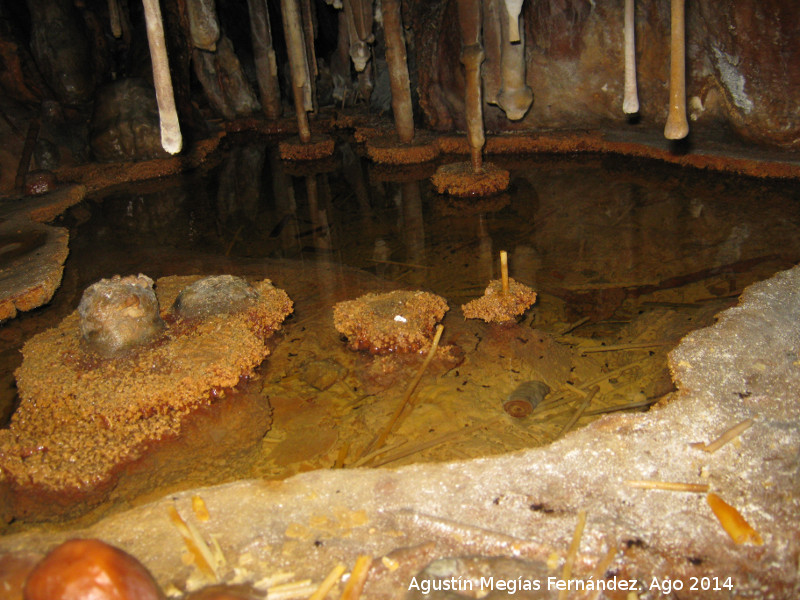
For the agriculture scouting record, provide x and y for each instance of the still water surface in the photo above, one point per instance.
(627, 256)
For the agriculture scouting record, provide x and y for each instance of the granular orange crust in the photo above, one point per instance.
(80, 416)
(320, 146)
(399, 321)
(496, 307)
(458, 179)
(388, 149)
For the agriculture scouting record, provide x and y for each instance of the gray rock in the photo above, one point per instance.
(118, 314)
(218, 294)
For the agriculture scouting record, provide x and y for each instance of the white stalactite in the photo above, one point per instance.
(677, 126)
(513, 7)
(630, 101)
(171, 139)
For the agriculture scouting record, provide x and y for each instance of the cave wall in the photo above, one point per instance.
(743, 66)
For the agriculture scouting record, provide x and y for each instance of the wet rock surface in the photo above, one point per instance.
(32, 254)
(61, 50)
(90, 569)
(224, 81)
(83, 417)
(118, 314)
(218, 294)
(574, 53)
(125, 124)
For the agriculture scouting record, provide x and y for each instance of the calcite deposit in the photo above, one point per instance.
(399, 321)
(498, 307)
(81, 415)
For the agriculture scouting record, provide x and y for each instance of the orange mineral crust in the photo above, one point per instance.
(81, 416)
(399, 321)
(319, 146)
(388, 149)
(460, 179)
(498, 307)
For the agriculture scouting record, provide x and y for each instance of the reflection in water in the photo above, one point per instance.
(621, 252)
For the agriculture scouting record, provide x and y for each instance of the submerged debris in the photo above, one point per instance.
(525, 398)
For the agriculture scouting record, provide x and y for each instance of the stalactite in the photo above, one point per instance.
(469, 18)
(630, 101)
(203, 24)
(515, 96)
(513, 7)
(494, 12)
(114, 18)
(264, 58)
(677, 126)
(171, 139)
(340, 63)
(398, 70)
(293, 30)
(309, 30)
(359, 25)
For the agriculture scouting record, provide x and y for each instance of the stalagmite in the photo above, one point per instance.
(398, 70)
(264, 58)
(295, 44)
(630, 101)
(513, 7)
(473, 178)
(677, 126)
(171, 139)
(203, 24)
(469, 18)
(515, 96)
(407, 147)
(303, 148)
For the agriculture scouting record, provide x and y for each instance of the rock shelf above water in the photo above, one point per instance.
(81, 415)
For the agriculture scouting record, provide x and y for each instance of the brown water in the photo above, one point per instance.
(627, 256)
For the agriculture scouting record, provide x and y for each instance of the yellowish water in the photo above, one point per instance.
(627, 256)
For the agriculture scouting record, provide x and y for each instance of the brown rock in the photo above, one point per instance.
(82, 569)
(32, 259)
(61, 50)
(125, 125)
